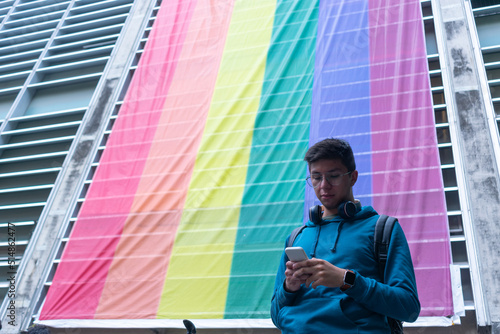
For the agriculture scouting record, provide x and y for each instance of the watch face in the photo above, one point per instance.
(350, 277)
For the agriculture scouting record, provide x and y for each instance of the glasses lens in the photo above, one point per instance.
(315, 180)
(332, 179)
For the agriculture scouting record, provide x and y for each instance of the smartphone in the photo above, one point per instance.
(296, 254)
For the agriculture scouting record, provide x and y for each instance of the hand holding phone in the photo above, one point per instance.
(296, 254)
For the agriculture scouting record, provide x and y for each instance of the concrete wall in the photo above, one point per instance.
(475, 143)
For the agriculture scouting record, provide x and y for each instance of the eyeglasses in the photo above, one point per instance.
(333, 179)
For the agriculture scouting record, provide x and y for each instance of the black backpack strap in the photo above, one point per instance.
(294, 235)
(382, 238)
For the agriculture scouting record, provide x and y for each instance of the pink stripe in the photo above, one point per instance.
(80, 277)
(407, 181)
(403, 132)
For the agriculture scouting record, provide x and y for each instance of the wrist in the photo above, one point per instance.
(287, 289)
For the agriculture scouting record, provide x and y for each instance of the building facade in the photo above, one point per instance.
(65, 67)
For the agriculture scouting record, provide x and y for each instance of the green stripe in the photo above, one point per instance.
(273, 199)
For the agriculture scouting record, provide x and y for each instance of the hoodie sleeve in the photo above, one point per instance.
(397, 297)
(281, 297)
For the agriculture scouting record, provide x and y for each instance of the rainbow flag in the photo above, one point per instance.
(203, 176)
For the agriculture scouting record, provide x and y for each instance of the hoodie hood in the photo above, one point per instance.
(365, 212)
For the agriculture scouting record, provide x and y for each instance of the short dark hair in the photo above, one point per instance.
(331, 149)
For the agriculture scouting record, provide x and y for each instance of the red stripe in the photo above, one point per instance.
(81, 275)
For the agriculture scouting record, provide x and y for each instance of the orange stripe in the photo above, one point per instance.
(142, 256)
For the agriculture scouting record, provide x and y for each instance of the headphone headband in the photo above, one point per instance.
(347, 210)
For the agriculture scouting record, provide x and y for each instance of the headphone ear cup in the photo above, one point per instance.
(315, 214)
(347, 210)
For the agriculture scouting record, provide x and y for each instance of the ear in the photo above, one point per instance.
(354, 177)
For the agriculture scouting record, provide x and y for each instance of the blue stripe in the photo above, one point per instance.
(341, 89)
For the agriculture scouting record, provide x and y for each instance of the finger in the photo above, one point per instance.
(295, 265)
(304, 277)
(310, 281)
(302, 264)
(304, 271)
(289, 273)
(315, 262)
(292, 273)
(315, 283)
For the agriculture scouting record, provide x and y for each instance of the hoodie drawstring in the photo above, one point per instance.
(313, 254)
(338, 235)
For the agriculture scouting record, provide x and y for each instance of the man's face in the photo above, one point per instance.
(332, 195)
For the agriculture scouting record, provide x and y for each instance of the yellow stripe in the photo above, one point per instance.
(198, 275)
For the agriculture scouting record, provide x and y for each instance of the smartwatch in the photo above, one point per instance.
(349, 279)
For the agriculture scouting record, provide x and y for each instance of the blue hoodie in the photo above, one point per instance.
(363, 308)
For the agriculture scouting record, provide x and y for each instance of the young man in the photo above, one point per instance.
(339, 289)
